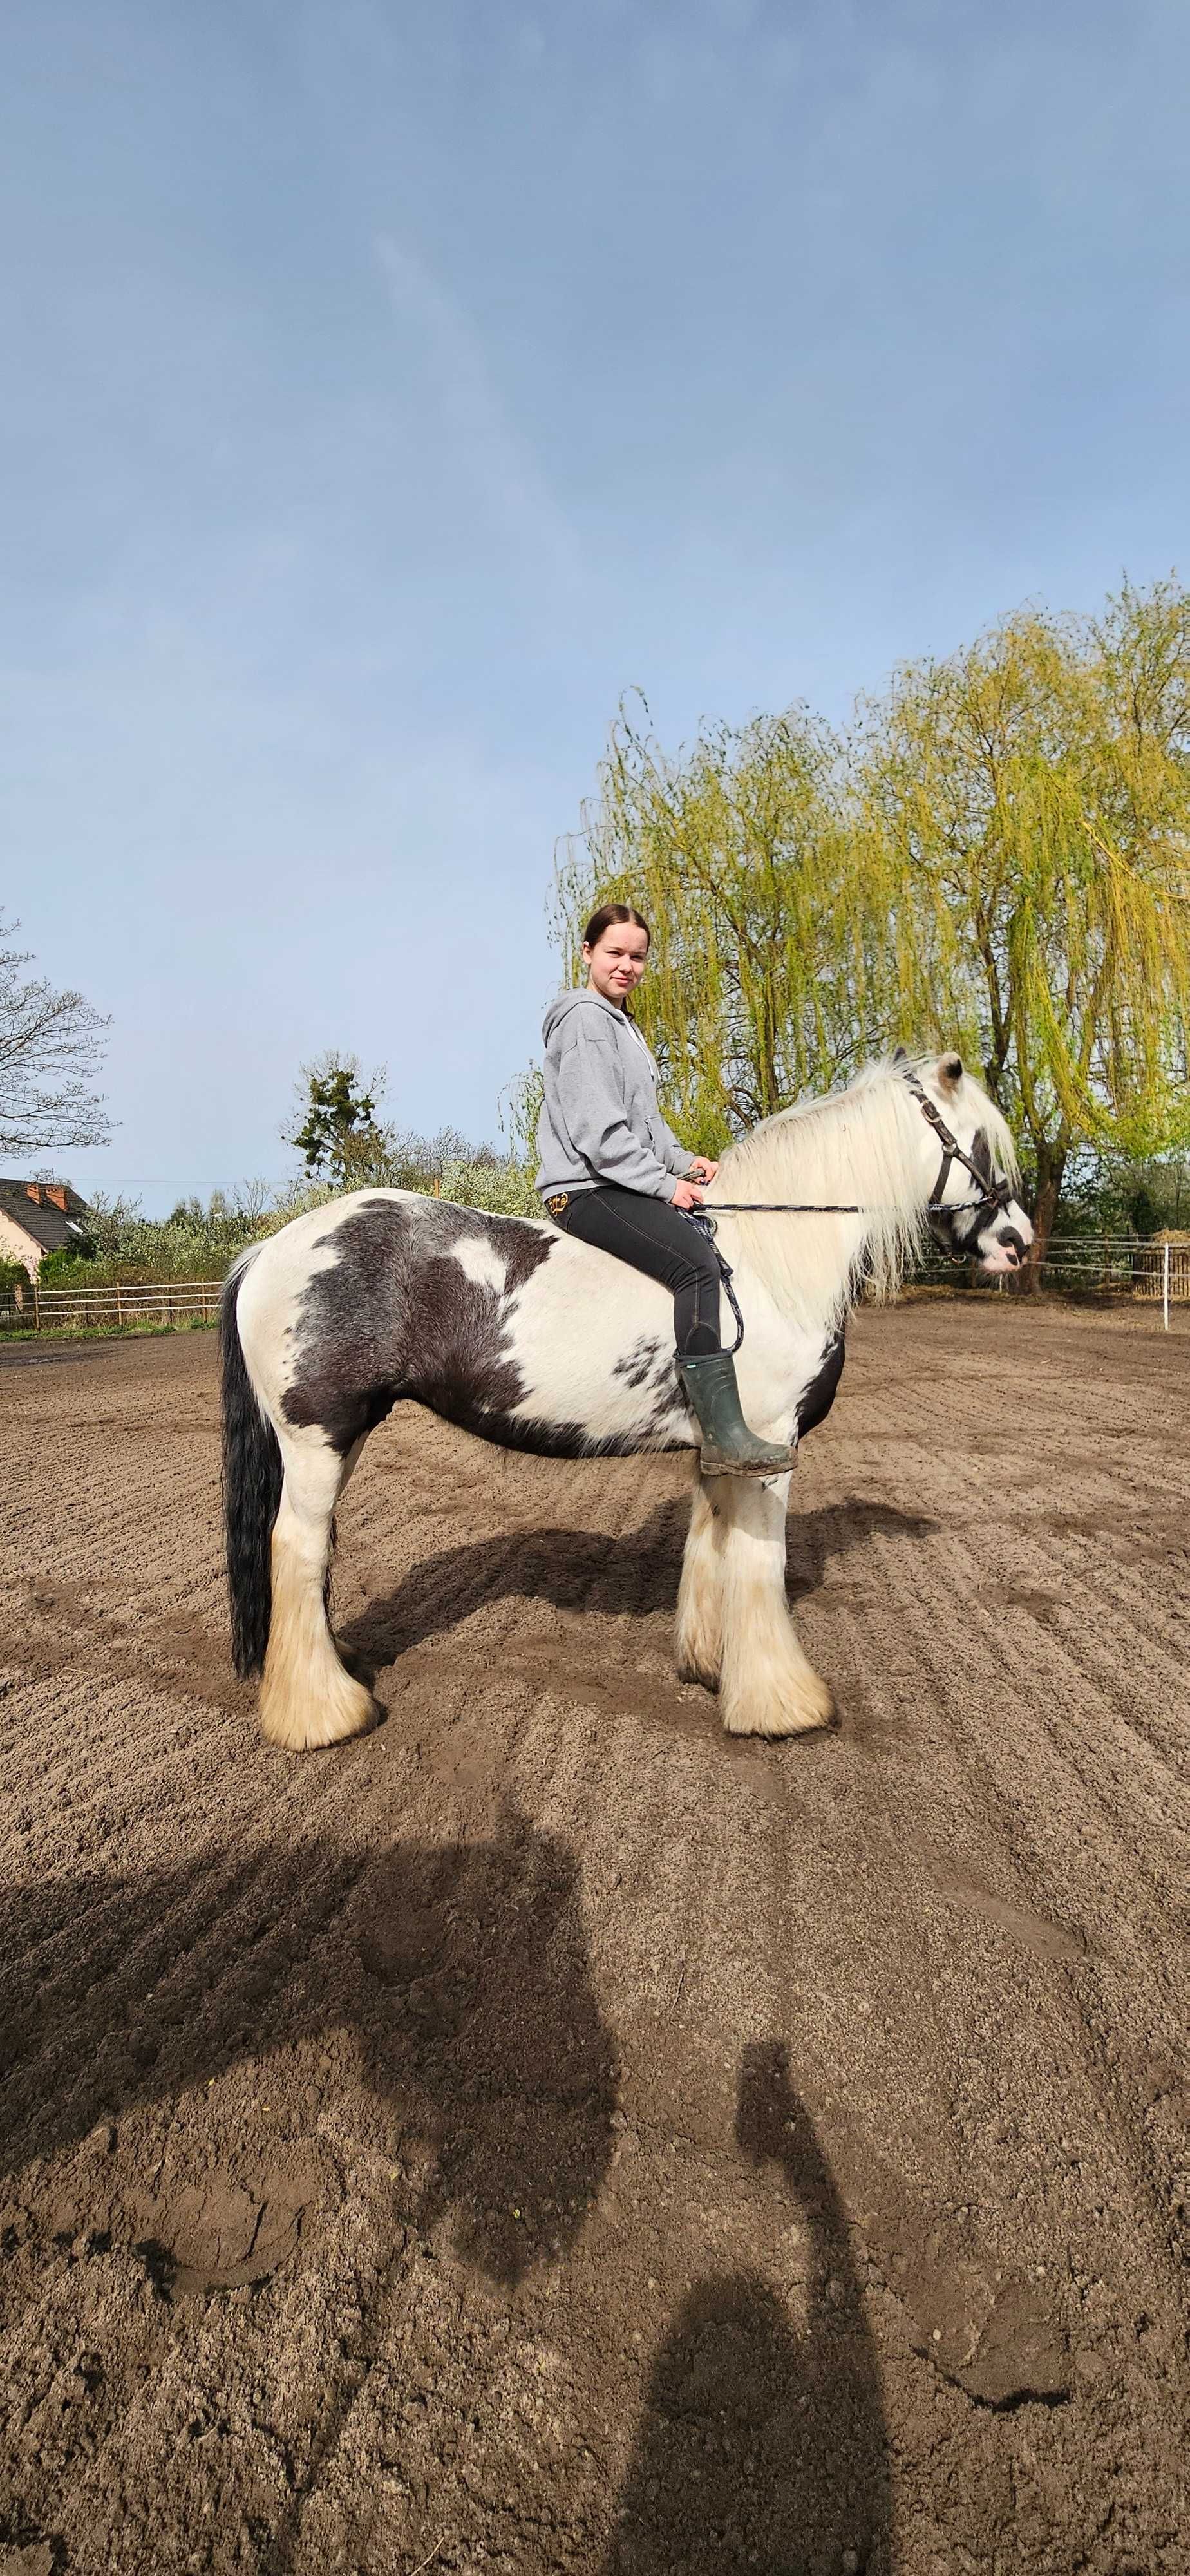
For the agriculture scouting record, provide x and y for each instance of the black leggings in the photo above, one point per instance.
(656, 1238)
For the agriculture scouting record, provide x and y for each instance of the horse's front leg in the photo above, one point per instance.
(700, 1594)
(766, 1684)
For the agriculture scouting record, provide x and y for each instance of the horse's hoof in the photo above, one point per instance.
(348, 1711)
(808, 1710)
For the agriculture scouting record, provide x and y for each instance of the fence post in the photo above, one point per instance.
(119, 1309)
(36, 1307)
(1165, 1287)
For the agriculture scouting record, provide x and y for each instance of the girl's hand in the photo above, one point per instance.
(702, 1169)
(686, 1196)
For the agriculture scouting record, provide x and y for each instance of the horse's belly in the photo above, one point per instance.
(594, 1350)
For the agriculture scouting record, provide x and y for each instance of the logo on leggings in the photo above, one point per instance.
(559, 1203)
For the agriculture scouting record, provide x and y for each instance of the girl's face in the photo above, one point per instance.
(617, 961)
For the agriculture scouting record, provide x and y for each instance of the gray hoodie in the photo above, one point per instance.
(599, 1118)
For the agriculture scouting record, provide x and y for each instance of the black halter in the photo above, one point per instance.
(993, 1194)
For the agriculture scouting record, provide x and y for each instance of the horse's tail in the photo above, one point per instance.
(252, 1478)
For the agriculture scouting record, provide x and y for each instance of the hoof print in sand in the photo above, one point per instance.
(1020, 2355)
(217, 2238)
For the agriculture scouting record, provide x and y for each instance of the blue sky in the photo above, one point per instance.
(389, 387)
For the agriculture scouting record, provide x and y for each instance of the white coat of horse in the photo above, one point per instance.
(506, 1326)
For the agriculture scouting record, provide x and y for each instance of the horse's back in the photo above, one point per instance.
(499, 1323)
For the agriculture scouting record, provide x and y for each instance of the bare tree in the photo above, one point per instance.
(51, 1050)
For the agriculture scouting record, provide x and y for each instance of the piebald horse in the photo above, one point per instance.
(507, 1327)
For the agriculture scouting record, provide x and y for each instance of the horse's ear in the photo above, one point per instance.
(950, 1071)
(900, 1055)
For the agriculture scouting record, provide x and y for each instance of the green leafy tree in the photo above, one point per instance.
(520, 1109)
(1022, 813)
(1106, 1194)
(193, 1242)
(738, 855)
(998, 855)
(334, 1126)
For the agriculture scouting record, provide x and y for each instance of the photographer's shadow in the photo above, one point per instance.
(764, 2446)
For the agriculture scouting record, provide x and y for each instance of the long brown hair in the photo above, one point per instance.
(614, 915)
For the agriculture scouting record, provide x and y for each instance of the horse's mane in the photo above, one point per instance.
(859, 1147)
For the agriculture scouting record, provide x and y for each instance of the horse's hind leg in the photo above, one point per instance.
(307, 1697)
(766, 1686)
(700, 1594)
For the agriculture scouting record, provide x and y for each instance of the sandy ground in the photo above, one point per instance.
(544, 2136)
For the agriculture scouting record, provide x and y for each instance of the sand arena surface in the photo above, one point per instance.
(544, 2135)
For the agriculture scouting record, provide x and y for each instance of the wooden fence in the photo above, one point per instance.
(1121, 1264)
(1103, 1265)
(1090, 1265)
(136, 1308)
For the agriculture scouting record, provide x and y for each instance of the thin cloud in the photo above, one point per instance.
(495, 458)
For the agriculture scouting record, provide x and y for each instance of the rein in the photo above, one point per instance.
(992, 1194)
(814, 1207)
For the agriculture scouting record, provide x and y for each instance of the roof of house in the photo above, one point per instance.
(43, 1219)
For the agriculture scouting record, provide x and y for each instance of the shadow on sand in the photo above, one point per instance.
(763, 2445)
(449, 1987)
(583, 1570)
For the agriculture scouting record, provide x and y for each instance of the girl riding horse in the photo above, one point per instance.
(517, 1329)
(614, 1175)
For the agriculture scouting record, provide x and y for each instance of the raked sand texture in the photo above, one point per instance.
(545, 2135)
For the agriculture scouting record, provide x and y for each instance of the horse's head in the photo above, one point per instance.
(974, 1212)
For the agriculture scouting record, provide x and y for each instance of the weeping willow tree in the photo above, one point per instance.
(738, 854)
(999, 856)
(1023, 816)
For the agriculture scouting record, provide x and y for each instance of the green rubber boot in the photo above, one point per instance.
(729, 1448)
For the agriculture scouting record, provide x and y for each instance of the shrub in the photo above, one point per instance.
(60, 1269)
(200, 1242)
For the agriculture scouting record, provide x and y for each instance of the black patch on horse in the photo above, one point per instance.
(638, 1365)
(966, 1224)
(814, 1405)
(352, 1326)
(397, 1318)
(670, 1410)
